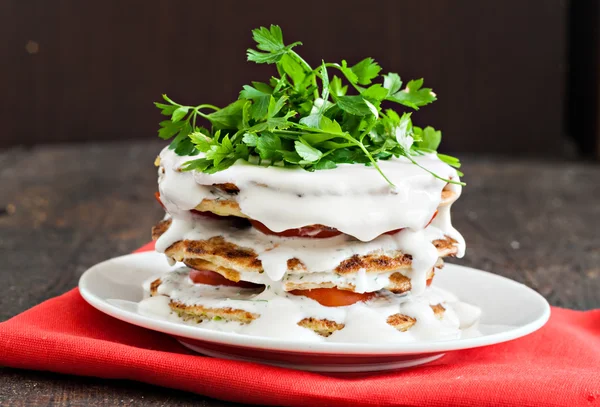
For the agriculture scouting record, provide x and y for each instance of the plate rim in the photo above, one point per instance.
(293, 346)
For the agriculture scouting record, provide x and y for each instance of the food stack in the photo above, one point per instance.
(306, 212)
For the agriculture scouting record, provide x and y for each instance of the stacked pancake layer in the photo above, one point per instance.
(330, 255)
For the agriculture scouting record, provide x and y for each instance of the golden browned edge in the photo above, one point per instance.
(323, 327)
(228, 259)
(221, 207)
(230, 256)
(227, 207)
(200, 313)
(398, 282)
(403, 322)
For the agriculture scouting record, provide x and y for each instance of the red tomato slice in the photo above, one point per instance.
(314, 231)
(332, 297)
(392, 232)
(212, 278)
(157, 196)
(432, 218)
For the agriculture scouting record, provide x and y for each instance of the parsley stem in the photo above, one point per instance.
(300, 133)
(308, 68)
(301, 60)
(432, 173)
(207, 106)
(201, 114)
(352, 141)
(364, 149)
(339, 68)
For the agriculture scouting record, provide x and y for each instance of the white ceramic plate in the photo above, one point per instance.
(510, 310)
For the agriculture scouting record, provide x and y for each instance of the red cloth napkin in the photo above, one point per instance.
(557, 366)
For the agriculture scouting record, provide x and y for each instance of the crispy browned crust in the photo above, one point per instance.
(229, 207)
(438, 310)
(160, 228)
(228, 259)
(403, 322)
(399, 283)
(374, 261)
(225, 254)
(154, 286)
(448, 197)
(323, 327)
(229, 188)
(200, 313)
(446, 247)
(217, 251)
(222, 207)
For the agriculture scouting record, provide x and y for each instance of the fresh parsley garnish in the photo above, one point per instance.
(303, 117)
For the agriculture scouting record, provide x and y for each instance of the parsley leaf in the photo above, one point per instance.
(366, 70)
(270, 40)
(392, 83)
(354, 105)
(413, 96)
(430, 138)
(229, 117)
(294, 70)
(348, 73)
(304, 117)
(307, 152)
(260, 100)
(337, 88)
(269, 146)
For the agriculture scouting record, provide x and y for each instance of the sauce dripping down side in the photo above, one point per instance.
(352, 198)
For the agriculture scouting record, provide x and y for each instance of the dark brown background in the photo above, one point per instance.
(76, 70)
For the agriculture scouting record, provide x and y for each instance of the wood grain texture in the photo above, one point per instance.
(25, 389)
(65, 208)
(499, 67)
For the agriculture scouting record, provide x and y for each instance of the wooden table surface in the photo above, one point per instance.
(65, 208)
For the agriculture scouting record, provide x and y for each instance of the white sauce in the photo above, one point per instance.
(352, 198)
(280, 312)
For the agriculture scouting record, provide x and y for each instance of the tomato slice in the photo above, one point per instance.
(157, 196)
(432, 218)
(333, 297)
(314, 231)
(392, 232)
(212, 278)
